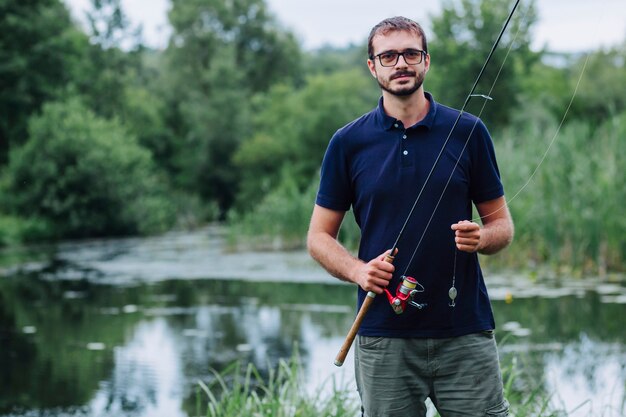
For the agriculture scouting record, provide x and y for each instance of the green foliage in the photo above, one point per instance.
(282, 394)
(110, 27)
(236, 117)
(263, 51)
(280, 220)
(292, 128)
(113, 61)
(39, 52)
(566, 211)
(15, 230)
(526, 400)
(593, 75)
(547, 92)
(603, 72)
(220, 54)
(329, 59)
(234, 393)
(85, 176)
(142, 115)
(217, 124)
(464, 34)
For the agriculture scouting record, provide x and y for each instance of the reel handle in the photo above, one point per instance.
(354, 329)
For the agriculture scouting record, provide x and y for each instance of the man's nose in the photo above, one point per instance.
(402, 61)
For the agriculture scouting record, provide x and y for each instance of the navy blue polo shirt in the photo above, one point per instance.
(377, 166)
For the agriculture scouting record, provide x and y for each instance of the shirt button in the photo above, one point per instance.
(406, 152)
(395, 125)
(403, 136)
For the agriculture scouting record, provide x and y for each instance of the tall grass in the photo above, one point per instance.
(568, 205)
(526, 400)
(282, 218)
(281, 394)
(234, 393)
(280, 221)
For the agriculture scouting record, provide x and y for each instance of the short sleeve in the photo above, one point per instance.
(335, 191)
(485, 181)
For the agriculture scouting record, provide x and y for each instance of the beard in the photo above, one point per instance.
(403, 90)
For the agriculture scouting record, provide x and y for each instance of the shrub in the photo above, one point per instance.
(85, 176)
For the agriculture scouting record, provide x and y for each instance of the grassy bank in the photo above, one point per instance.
(243, 393)
(234, 393)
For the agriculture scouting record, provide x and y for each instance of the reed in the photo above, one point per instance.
(282, 393)
(567, 194)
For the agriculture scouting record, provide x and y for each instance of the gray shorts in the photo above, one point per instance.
(461, 376)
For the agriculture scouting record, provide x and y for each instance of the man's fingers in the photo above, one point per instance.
(467, 248)
(386, 253)
(376, 285)
(384, 266)
(467, 240)
(465, 226)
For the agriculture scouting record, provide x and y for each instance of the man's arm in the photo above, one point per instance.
(496, 233)
(325, 249)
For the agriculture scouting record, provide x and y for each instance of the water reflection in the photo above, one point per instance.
(97, 332)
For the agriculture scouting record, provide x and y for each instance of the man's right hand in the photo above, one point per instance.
(375, 275)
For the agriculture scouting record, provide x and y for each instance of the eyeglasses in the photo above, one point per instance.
(390, 59)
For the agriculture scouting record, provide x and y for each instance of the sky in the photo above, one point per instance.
(564, 25)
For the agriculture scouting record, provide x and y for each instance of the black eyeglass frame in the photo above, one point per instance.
(398, 54)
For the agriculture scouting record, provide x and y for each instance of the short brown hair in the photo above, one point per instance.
(392, 24)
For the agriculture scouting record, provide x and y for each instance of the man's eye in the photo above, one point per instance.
(411, 55)
(389, 56)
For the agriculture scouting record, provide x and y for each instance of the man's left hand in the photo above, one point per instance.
(466, 235)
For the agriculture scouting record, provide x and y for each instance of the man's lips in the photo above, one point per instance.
(402, 75)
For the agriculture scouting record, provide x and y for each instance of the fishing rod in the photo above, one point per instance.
(409, 286)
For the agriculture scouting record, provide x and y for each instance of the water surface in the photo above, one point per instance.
(127, 327)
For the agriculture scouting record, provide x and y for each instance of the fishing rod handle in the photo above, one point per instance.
(343, 352)
(367, 303)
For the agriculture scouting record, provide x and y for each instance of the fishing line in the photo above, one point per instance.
(545, 154)
(452, 292)
(461, 112)
(487, 97)
(369, 299)
(554, 137)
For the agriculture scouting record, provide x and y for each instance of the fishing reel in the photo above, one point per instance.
(404, 295)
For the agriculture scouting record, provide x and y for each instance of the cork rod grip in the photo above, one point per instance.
(343, 352)
(367, 303)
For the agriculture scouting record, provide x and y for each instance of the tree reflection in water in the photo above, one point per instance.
(151, 340)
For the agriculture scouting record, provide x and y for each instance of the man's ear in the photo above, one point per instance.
(372, 67)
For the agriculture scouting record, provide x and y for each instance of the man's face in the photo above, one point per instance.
(400, 79)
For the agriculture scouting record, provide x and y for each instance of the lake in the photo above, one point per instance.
(126, 327)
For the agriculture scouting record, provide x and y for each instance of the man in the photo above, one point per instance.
(377, 165)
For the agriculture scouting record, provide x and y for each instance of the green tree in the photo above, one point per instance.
(592, 76)
(264, 51)
(463, 36)
(120, 78)
(39, 54)
(604, 71)
(143, 116)
(329, 59)
(219, 56)
(292, 130)
(85, 176)
(113, 60)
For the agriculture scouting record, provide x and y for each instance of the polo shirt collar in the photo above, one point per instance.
(388, 122)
